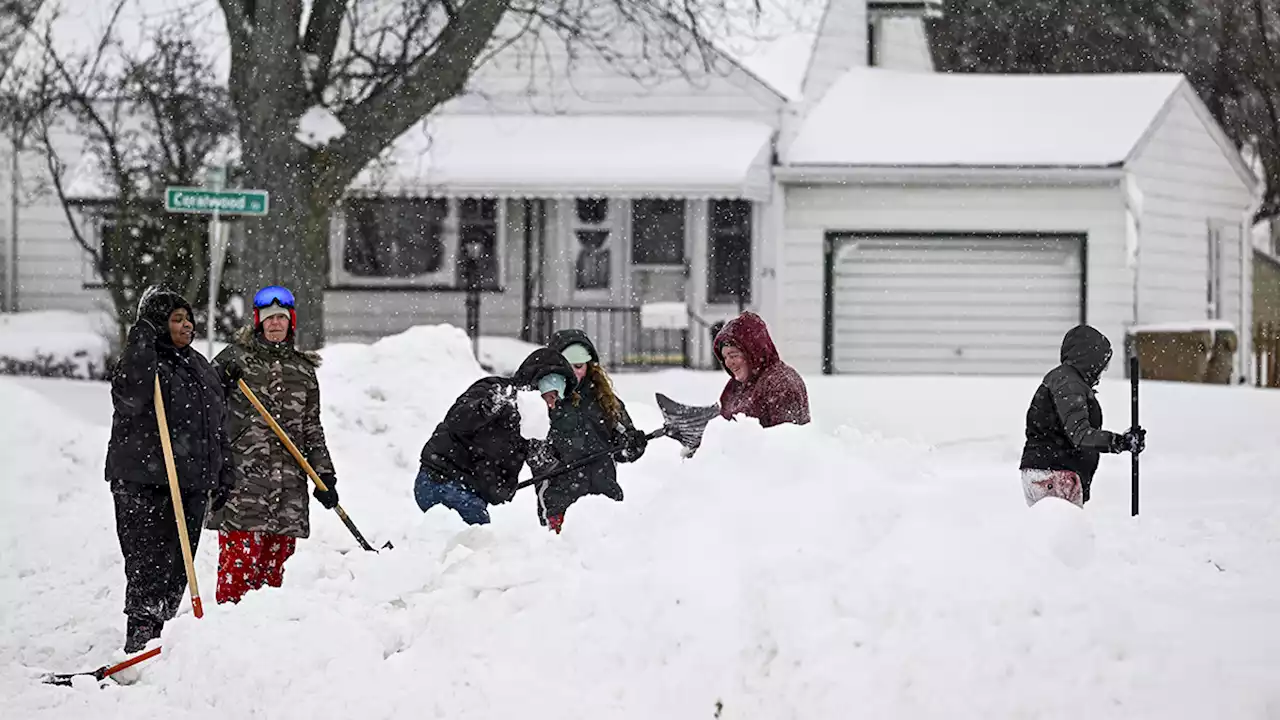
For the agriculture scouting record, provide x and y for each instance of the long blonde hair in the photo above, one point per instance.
(604, 394)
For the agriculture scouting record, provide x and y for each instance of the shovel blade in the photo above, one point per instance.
(685, 423)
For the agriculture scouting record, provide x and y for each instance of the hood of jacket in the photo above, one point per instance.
(564, 338)
(748, 333)
(248, 338)
(1086, 350)
(540, 363)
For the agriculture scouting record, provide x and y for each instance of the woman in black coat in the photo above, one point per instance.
(159, 343)
(591, 420)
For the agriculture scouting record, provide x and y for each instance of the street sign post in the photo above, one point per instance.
(216, 201)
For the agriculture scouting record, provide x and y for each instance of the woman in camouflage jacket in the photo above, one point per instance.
(269, 510)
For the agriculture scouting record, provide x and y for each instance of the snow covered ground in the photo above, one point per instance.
(879, 563)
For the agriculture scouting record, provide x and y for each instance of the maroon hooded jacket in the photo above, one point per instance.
(775, 392)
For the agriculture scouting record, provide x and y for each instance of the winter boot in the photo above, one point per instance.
(141, 631)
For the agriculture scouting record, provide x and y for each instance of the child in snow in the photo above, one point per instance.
(589, 421)
(1064, 423)
(159, 344)
(760, 385)
(473, 459)
(269, 509)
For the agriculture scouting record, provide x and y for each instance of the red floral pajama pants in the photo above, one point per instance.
(249, 560)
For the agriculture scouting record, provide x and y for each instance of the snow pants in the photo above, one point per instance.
(249, 560)
(470, 507)
(155, 575)
(1040, 484)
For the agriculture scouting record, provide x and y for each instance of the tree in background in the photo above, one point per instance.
(1227, 48)
(150, 117)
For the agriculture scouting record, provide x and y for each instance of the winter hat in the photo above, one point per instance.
(577, 354)
(272, 311)
(274, 300)
(552, 383)
(157, 305)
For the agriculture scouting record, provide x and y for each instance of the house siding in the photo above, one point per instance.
(537, 74)
(51, 268)
(812, 210)
(841, 46)
(1187, 182)
(903, 44)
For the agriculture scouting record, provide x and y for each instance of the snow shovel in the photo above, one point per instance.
(297, 455)
(102, 673)
(166, 444)
(683, 423)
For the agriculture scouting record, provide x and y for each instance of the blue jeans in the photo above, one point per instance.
(429, 493)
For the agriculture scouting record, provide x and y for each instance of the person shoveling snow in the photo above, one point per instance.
(269, 509)
(761, 385)
(474, 457)
(1064, 423)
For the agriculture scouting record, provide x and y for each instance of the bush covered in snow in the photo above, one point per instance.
(55, 344)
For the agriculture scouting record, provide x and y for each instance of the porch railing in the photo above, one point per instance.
(1266, 354)
(617, 334)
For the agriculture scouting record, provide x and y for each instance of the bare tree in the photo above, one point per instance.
(380, 67)
(148, 119)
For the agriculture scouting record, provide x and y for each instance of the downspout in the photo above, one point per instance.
(1244, 338)
(11, 242)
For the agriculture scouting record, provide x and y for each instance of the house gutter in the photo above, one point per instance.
(950, 174)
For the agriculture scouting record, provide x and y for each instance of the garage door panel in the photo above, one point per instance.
(941, 305)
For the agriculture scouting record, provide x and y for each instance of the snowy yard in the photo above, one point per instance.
(880, 563)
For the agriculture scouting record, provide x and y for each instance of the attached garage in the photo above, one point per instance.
(942, 224)
(981, 304)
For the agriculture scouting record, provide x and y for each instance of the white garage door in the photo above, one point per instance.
(946, 305)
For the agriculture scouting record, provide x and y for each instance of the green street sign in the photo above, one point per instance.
(207, 202)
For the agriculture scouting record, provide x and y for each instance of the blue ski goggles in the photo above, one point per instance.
(274, 295)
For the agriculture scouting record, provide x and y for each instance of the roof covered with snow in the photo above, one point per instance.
(898, 119)
(565, 155)
(774, 43)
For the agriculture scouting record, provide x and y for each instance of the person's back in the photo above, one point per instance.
(1064, 435)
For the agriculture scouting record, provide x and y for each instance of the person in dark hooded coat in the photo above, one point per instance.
(591, 420)
(473, 459)
(1064, 423)
(760, 385)
(159, 344)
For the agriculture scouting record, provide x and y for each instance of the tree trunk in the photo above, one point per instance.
(289, 246)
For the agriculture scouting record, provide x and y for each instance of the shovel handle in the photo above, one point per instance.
(302, 461)
(585, 461)
(180, 515)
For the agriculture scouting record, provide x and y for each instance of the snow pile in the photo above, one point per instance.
(54, 343)
(881, 558)
(318, 127)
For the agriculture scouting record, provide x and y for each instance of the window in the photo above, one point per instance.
(729, 250)
(1213, 283)
(478, 242)
(422, 242)
(394, 238)
(657, 232)
(593, 269)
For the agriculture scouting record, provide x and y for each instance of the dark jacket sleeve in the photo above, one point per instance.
(481, 404)
(228, 477)
(1069, 399)
(317, 448)
(220, 363)
(133, 382)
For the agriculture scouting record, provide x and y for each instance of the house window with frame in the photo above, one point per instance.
(478, 242)
(1213, 282)
(657, 232)
(729, 226)
(593, 268)
(394, 237)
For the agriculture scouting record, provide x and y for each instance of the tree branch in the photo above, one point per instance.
(321, 39)
(394, 108)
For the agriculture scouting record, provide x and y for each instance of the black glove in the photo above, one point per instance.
(150, 329)
(329, 496)
(542, 458)
(633, 446)
(1134, 441)
(233, 370)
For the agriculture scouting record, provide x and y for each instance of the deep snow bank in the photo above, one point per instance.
(863, 565)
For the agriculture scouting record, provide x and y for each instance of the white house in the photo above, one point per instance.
(882, 217)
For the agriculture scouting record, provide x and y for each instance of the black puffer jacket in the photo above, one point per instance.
(1064, 422)
(193, 402)
(478, 444)
(579, 428)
